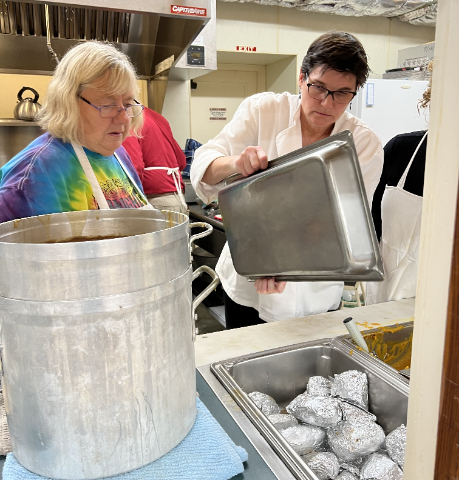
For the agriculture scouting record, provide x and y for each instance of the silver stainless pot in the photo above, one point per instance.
(157, 250)
(98, 387)
(98, 359)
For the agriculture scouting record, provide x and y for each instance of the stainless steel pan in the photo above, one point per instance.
(306, 217)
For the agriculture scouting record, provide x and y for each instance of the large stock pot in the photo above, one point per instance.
(102, 385)
(153, 247)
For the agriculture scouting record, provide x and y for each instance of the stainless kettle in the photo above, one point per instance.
(26, 108)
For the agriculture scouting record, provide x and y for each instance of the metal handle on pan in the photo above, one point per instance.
(208, 231)
(203, 294)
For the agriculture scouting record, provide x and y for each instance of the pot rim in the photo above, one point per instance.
(90, 248)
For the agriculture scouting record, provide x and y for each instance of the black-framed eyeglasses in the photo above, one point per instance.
(321, 93)
(112, 111)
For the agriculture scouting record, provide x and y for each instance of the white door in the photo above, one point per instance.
(218, 95)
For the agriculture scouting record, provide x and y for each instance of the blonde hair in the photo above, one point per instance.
(424, 102)
(86, 65)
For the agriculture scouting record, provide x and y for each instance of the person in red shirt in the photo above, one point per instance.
(158, 159)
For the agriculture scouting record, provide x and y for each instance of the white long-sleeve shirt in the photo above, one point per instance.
(272, 121)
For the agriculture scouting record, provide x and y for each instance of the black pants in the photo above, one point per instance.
(238, 316)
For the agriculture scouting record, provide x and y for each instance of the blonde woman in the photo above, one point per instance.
(79, 163)
(396, 210)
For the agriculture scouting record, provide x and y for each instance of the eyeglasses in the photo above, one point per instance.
(321, 93)
(112, 111)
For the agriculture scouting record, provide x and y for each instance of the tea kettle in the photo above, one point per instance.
(26, 108)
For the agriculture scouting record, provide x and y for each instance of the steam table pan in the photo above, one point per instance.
(283, 373)
(306, 217)
(391, 345)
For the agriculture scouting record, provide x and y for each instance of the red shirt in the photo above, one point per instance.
(156, 148)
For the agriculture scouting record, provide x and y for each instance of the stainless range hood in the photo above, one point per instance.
(153, 33)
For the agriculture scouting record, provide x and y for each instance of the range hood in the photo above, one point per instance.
(153, 33)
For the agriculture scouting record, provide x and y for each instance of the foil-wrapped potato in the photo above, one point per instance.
(324, 464)
(281, 421)
(380, 467)
(319, 411)
(304, 438)
(350, 441)
(351, 386)
(265, 403)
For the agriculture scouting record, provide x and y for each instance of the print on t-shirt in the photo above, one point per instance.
(120, 193)
(115, 184)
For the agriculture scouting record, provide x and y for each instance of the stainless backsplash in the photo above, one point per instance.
(14, 136)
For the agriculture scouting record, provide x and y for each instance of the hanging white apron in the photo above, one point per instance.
(97, 191)
(176, 176)
(401, 227)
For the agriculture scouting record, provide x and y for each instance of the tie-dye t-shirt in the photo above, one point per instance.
(46, 177)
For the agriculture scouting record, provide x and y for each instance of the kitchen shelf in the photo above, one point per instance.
(12, 122)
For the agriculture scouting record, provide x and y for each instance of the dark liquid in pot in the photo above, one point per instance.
(86, 239)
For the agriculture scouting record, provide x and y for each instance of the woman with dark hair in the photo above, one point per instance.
(269, 125)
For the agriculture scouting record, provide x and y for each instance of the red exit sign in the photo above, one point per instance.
(246, 49)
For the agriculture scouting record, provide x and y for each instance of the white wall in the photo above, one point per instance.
(281, 76)
(176, 110)
(290, 31)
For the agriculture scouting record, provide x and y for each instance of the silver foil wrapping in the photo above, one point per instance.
(380, 467)
(319, 411)
(281, 421)
(350, 441)
(324, 464)
(319, 386)
(354, 414)
(345, 475)
(265, 403)
(304, 438)
(395, 445)
(351, 386)
(353, 468)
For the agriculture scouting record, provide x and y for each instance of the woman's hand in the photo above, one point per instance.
(266, 286)
(250, 161)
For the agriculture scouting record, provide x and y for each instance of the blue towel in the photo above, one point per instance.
(206, 453)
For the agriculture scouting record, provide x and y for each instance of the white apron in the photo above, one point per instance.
(176, 176)
(97, 191)
(401, 227)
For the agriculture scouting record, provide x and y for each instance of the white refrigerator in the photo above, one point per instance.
(390, 107)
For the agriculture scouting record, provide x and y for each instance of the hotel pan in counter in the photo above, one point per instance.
(391, 345)
(283, 373)
(306, 217)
